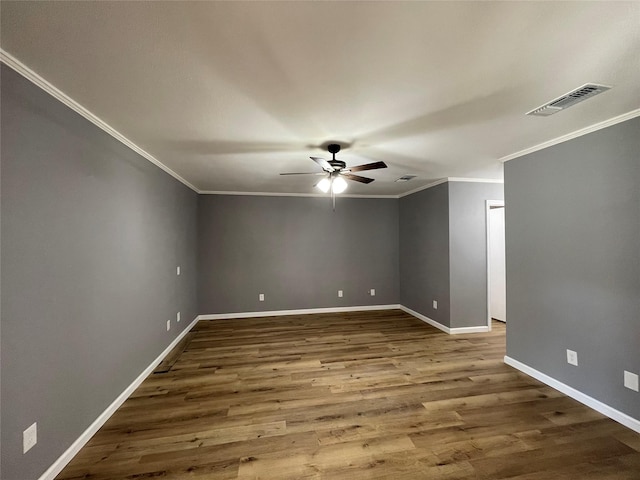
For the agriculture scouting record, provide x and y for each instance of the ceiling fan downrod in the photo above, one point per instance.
(334, 148)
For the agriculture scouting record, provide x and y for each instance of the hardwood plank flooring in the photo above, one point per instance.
(364, 395)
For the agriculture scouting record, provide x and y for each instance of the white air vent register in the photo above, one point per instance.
(584, 92)
(406, 178)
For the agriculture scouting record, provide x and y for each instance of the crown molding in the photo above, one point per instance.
(284, 194)
(572, 135)
(59, 95)
(451, 179)
(347, 195)
(424, 187)
(475, 180)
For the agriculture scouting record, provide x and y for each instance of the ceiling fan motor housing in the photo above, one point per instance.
(337, 164)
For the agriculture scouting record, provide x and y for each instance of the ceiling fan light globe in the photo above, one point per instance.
(339, 185)
(324, 185)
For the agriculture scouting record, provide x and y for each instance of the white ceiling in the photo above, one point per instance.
(229, 94)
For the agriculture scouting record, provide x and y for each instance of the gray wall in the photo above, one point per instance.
(296, 251)
(91, 236)
(573, 262)
(424, 252)
(468, 250)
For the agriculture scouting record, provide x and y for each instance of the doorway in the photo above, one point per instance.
(496, 263)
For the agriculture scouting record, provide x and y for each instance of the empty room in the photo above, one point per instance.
(319, 240)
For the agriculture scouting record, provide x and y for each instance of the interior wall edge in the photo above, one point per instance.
(597, 405)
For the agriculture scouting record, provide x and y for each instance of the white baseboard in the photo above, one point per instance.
(360, 308)
(304, 311)
(438, 325)
(425, 319)
(597, 405)
(463, 330)
(80, 442)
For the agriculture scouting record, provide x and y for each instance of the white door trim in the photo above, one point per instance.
(489, 204)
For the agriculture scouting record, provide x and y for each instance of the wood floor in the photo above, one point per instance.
(366, 395)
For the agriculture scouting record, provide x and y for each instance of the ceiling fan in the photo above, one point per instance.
(336, 171)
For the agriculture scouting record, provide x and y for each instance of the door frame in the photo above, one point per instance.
(488, 205)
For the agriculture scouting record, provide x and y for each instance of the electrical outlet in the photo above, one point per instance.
(373, 292)
(340, 293)
(631, 380)
(168, 325)
(261, 297)
(178, 270)
(435, 304)
(178, 317)
(29, 438)
(572, 357)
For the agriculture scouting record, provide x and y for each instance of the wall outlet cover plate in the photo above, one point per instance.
(29, 438)
(631, 380)
(572, 357)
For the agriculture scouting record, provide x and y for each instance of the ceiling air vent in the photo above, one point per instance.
(406, 178)
(584, 92)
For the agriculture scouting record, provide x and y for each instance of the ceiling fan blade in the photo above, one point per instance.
(304, 173)
(326, 166)
(357, 178)
(368, 166)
